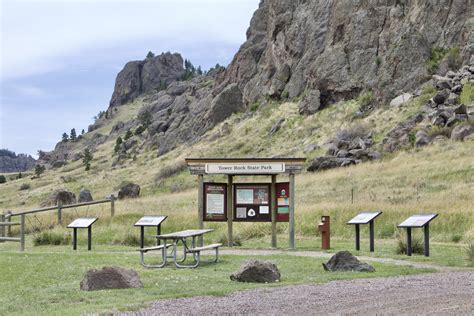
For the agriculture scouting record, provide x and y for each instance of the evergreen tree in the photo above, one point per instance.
(39, 169)
(65, 137)
(118, 142)
(87, 158)
(83, 132)
(3, 179)
(20, 176)
(199, 71)
(73, 136)
(128, 134)
(150, 55)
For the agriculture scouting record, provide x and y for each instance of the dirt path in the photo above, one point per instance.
(445, 293)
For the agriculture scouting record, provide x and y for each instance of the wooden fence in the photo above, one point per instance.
(6, 218)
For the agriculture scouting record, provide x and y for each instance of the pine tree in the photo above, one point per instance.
(128, 134)
(65, 137)
(87, 158)
(20, 176)
(39, 169)
(3, 179)
(118, 142)
(83, 132)
(150, 55)
(73, 136)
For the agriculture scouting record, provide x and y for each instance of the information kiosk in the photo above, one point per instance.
(418, 221)
(85, 222)
(247, 202)
(363, 219)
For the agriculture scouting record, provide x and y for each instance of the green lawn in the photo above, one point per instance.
(45, 280)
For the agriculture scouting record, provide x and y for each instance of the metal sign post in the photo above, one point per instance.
(361, 219)
(85, 222)
(418, 221)
(150, 221)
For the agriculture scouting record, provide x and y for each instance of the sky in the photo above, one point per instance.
(59, 58)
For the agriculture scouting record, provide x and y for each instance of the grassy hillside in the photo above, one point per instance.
(437, 178)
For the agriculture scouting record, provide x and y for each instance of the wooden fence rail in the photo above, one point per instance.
(6, 223)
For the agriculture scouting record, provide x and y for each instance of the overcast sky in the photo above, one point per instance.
(59, 59)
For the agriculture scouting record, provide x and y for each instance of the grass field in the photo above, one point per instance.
(45, 280)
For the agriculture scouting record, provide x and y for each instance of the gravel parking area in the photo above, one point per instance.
(445, 293)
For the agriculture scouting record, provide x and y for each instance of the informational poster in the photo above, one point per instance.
(252, 202)
(215, 201)
(151, 220)
(84, 222)
(419, 220)
(364, 218)
(283, 201)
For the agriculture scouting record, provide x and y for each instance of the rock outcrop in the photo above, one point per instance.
(257, 271)
(345, 261)
(340, 48)
(110, 278)
(129, 191)
(149, 75)
(11, 162)
(85, 196)
(60, 196)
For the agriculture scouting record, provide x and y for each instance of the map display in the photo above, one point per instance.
(82, 222)
(418, 220)
(150, 220)
(364, 218)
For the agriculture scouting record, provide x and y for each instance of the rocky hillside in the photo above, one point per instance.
(12, 162)
(314, 54)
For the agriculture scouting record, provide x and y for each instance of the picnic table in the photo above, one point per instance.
(173, 239)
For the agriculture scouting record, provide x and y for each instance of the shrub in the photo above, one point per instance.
(24, 186)
(437, 54)
(140, 129)
(352, 132)
(128, 135)
(416, 245)
(52, 238)
(470, 254)
(3, 179)
(254, 107)
(456, 238)
(440, 130)
(236, 240)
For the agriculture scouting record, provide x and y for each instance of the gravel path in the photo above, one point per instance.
(445, 293)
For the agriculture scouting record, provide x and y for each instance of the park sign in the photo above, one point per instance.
(245, 168)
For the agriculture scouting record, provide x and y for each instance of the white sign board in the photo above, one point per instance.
(150, 220)
(82, 222)
(364, 218)
(245, 168)
(214, 203)
(417, 220)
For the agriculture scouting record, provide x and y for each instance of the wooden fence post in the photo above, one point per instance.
(112, 205)
(2, 228)
(8, 218)
(60, 219)
(22, 233)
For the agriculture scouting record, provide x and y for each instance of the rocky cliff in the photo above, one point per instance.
(11, 162)
(335, 49)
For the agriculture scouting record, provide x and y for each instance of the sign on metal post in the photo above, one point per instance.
(85, 222)
(418, 221)
(363, 219)
(150, 221)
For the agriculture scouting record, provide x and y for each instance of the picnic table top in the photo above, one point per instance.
(184, 234)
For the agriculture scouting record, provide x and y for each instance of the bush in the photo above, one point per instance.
(139, 130)
(24, 186)
(416, 245)
(236, 240)
(3, 179)
(470, 254)
(52, 238)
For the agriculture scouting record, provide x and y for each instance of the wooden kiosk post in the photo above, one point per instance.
(247, 202)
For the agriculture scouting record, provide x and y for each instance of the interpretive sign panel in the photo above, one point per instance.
(283, 201)
(85, 222)
(252, 202)
(151, 220)
(364, 218)
(215, 201)
(419, 220)
(245, 168)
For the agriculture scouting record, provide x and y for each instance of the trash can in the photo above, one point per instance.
(324, 230)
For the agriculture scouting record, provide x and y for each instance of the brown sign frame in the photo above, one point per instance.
(252, 206)
(209, 217)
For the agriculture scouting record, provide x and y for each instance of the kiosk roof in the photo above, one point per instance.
(247, 166)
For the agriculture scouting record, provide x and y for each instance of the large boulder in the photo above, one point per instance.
(257, 271)
(129, 190)
(110, 278)
(310, 103)
(85, 196)
(461, 131)
(345, 261)
(328, 162)
(401, 99)
(62, 197)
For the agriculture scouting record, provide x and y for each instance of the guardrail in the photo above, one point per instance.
(6, 223)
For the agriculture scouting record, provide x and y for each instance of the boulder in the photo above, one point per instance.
(58, 164)
(62, 197)
(328, 162)
(129, 190)
(461, 131)
(110, 278)
(442, 82)
(276, 126)
(461, 109)
(452, 99)
(345, 261)
(422, 138)
(441, 96)
(85, 196)
(401, 99)
(257, 271)
(311, 103)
